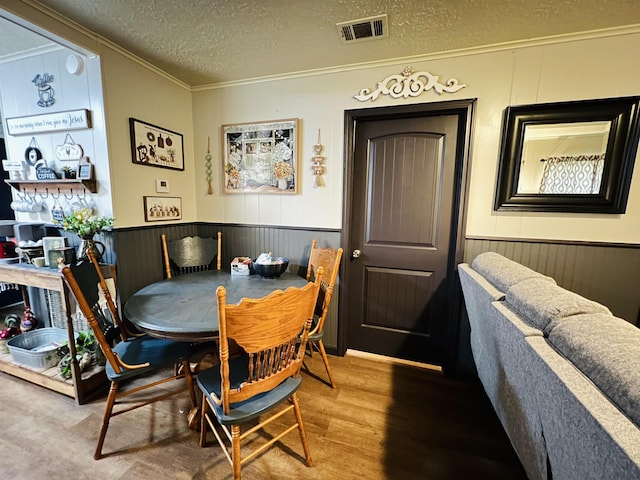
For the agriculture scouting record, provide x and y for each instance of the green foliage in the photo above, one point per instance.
(86, 346)
(84, 224)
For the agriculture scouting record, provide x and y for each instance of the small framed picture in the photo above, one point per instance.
(51, 243)
(85, 171)
(162, 208)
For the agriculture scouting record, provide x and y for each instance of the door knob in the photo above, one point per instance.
(356, 253)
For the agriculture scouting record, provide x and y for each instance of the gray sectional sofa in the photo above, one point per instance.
(562, 372)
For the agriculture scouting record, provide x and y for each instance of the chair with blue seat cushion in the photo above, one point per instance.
(259, 385)
(191, 254)
(147, 360)
(329, 260)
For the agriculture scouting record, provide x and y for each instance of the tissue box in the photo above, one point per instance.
(240, 266)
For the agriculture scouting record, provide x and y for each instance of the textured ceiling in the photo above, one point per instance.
(203, 42)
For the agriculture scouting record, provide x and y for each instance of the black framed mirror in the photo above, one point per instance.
(568, 157)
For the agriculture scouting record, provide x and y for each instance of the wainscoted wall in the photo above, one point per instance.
(139, 258)
(606, 273)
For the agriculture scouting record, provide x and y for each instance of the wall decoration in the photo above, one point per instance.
(318, 166)
(46, 173)
(207, 165)
(49, 122)
(573, 156)
(45, 90)
(261, 157)
(155, 146)
(69, 150)
(33, 153)
(85, 170)
(409, 84)
(162, 208)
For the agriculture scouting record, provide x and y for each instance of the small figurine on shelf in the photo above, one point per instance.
(11, 321)
(29, 320)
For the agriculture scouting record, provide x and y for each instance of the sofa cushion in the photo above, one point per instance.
(543, 303)
(503, 272)
(607, 350)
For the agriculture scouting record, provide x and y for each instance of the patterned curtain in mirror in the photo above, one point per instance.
(580, 174)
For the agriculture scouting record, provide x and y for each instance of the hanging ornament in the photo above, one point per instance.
(32, 154)
(317, 163)
(69, 150)
(207, 164)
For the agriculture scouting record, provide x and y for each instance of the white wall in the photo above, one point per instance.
(572, 70)
(19, 96)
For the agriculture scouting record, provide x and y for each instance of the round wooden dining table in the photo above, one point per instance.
(185, 307)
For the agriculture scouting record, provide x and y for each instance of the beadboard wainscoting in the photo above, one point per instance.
(139, 254)
(606, 273)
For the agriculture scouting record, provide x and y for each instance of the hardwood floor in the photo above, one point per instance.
(384, 421)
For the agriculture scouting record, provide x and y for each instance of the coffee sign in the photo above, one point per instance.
(46, 173)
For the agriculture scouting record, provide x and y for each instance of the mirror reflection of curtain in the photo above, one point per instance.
(572, 174)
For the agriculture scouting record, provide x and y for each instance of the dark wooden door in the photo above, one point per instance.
(403, 231)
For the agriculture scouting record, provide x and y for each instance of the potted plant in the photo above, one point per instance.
(68, 172)
(84, 224)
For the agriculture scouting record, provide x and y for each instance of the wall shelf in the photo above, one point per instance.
(69, 186)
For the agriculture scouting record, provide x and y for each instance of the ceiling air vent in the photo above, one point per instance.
(370, 28)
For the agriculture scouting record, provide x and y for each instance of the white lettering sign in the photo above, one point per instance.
(49, 122)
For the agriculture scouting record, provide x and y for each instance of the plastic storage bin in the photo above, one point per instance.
(37, 348)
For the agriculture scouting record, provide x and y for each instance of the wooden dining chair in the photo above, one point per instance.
(114, 318)
(329, 260)
(140, 358)
(191, 254)
(260, 385)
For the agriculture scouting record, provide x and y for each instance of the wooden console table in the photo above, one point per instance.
(82, 386)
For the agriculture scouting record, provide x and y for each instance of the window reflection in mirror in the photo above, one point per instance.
(563, 158)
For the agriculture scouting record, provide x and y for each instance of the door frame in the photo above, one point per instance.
(464, 109)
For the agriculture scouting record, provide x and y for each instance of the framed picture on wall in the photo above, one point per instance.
(261, 157)
(157, 209)
(156, 146)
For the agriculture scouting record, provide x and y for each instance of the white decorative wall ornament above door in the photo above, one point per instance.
(409, 84)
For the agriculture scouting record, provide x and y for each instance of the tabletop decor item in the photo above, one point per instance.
(83, 223)
(261, 157)
(155, 146)
(268, 266)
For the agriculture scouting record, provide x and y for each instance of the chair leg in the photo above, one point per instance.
(235, 451)
(108, 409)
(203, 421)
(325, 359)
(186, 367)
(303, 436)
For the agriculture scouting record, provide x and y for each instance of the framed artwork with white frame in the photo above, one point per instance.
(157, 209)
